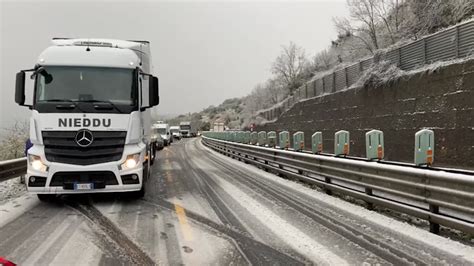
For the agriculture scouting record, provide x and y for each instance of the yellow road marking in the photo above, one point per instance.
(183, 222)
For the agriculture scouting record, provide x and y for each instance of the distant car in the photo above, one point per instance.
(160, 143)
(175, 132)
(164, 131)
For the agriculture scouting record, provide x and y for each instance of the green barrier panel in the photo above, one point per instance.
(424, 147)
(272, 139)
(239, 137)
(374, 145)
(246, 137)
(317, 142)
(284, 140)
(254, 138)
(341, 143)
(298, 141)
(233, 136)
(262, 138)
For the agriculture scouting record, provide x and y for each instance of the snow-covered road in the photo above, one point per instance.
(204, 208)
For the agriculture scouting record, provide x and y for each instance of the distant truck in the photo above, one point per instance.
(175, 132)
(187, 129)
(164, 131)
(90, 121)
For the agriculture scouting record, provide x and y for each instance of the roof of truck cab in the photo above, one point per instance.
(96, 57)
(134, 45)
(97, 52)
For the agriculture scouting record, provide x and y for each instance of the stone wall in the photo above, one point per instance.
(441, 100)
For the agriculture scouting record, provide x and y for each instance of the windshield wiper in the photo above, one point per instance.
(58, 100)
(70, 106)
(102, 107)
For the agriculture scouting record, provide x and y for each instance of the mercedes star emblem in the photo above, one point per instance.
(84, 138)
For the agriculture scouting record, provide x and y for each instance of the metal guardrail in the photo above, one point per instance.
(440, 197)
(451, 43)
(12, 168)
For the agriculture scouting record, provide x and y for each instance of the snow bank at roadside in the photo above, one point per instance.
(11, 189)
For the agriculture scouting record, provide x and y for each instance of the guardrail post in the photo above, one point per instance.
(434, 227)
(327, 190)
(370, 205)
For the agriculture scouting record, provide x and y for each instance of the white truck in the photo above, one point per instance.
(187, 129)
(90, 120)
(164, 131)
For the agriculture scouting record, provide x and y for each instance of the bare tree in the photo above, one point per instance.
(324, 60)
(369, 19)
(290, 66)
(257, 99)
(388, 12)
(275, 91)
(462, 9)
(344, 25)
(13, 141)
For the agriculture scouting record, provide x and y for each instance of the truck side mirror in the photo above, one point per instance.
(154, 91)
(20, 88)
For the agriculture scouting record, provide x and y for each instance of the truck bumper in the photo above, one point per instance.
(62, 178)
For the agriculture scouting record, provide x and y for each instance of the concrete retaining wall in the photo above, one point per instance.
(442, 100)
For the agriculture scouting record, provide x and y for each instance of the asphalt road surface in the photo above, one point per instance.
(203, 208)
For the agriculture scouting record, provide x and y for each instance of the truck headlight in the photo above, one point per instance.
(132, 161)
(36, 163)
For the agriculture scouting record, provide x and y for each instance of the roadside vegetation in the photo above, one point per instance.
(12, 141)
(372, 26)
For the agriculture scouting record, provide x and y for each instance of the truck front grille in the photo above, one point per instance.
(61, 147)
(99, 178)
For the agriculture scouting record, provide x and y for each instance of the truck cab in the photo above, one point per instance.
(90, 117)
(186, 129)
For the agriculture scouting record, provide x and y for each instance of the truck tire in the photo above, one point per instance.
(138, 194)
(46, 197)
(141, 193)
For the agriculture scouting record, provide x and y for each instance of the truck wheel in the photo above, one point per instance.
(138, 194)
(46, 197)
(141, 193)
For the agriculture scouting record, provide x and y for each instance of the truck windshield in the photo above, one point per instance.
(80, 85)
(162, 131)
(185, 127)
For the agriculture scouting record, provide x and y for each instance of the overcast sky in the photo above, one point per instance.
(203, 52)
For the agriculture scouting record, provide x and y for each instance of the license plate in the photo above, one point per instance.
(87, 186)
